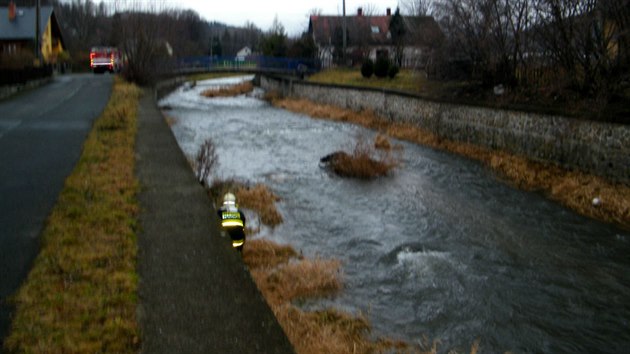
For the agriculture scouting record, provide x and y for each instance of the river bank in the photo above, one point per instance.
(589, 195)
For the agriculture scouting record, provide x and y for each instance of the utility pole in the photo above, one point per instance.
(344, 31)
(38, 49)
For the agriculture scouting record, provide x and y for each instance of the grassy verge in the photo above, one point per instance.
(80, 296)
(406, 80)
(573, 189)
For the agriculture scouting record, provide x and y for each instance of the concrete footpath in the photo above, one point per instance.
(195, 294)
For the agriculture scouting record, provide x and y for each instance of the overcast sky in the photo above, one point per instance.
(293, 14)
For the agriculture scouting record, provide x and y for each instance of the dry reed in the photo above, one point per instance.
(573, 189)
(282, 276)
(232, 90)
(261, 199)
(170, 120)
(261, 253)
(382, 142)
(364, 162)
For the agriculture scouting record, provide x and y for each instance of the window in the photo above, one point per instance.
(376, 29)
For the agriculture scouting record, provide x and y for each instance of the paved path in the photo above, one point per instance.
(196, 296)
(41, 135)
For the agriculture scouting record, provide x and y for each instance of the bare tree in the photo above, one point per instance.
(588, 40)
(417, 7)
(205, 160)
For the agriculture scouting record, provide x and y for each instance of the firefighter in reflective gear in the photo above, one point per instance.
(232, 220)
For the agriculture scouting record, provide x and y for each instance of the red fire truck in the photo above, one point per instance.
(104, 59)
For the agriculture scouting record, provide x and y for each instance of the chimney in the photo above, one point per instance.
(12, 11)
(360, 11)
(389, 11)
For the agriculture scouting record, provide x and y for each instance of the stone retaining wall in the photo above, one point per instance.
(598, 148)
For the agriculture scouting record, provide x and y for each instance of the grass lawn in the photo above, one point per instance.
(80, 296)
(407, 80)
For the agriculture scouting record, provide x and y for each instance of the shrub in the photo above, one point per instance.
(261, 199)
(393, 71)
(205, 160)
(367, 68)
(364, 162)
(381, 67)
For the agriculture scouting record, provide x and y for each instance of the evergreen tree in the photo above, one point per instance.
(398, 31)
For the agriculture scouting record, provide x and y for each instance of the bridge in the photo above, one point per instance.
(251, 64)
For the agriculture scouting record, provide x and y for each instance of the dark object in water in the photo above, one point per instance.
(330, 158)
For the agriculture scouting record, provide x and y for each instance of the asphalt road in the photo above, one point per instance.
(41, 136)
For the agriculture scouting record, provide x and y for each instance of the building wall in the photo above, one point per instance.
(46, 45)
(599, 148)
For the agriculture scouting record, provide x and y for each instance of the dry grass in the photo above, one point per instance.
(261, 199)
(80, 296)
(282, 276)
(364, 161)
(572, 189)
(301, 279)
(228, 91)
(381, 142)
(261, 253)
(170, 120)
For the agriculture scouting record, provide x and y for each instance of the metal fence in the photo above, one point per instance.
(24, 75)
(250, 63)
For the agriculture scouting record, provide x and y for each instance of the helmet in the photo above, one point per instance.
(229, 199)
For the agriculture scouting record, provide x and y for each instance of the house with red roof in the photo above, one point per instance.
(368, 36)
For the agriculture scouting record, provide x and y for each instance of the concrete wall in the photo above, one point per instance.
(598, 148)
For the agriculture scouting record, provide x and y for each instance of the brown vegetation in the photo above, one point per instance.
(170, 120)
(261, 199)
(282, 276)
(364, 162)
(233, 90)
(573, 189)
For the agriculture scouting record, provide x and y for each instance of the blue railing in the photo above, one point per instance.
(251, 63)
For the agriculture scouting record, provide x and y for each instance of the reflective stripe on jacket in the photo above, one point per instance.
(231, 219)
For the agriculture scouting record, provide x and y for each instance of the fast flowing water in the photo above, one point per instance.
(439, 250)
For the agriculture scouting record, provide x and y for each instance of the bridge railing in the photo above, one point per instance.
(299, 66)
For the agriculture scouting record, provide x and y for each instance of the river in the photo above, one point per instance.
(441, 249)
